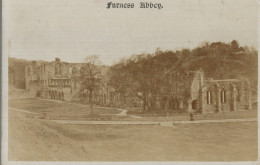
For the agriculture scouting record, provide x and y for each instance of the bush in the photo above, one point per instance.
(38, 93)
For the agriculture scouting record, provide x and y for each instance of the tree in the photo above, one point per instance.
(234, 45)
(122, 81)
(11, 73)
(90, 75)
(148, 76)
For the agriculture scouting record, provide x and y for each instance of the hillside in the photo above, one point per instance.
(218, 60)
(145, 72)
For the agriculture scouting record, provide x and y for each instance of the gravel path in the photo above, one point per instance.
(166, 124)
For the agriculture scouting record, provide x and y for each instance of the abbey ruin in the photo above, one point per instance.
(186, 90)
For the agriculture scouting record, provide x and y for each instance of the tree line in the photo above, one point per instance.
(143, 74)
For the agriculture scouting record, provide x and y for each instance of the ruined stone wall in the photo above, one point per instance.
(226, 95)
(183, 88)
(32, 82)
(55, 76)
(209, 98)
(243, 95)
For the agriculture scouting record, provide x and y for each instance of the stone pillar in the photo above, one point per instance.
(201, 101)
(218, 98)
(233, 103)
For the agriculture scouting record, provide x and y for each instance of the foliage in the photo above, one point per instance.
(16, 71)
(90, 77)
(38, 93)
(141, 75)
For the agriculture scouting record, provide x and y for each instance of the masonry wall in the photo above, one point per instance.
(183, 89)
(225, 96)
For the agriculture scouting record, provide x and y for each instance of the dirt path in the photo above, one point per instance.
(165, 124)
(21, 110)
(122, 113)
(107, 122)
(215, 121)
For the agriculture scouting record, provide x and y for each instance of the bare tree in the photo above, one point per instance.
(91, 78)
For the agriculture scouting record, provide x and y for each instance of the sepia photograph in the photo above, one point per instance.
(129, 81)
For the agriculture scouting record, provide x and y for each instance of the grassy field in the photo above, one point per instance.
(49, 106)
(71, 111)
(33, 139)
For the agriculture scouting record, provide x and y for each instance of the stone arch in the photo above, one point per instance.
(164, 102)
(171, 103)
(74, 71)
(51, 94)
(195, 104)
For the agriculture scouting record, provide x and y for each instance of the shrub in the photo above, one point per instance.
(38, 93)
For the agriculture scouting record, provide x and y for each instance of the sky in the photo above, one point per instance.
(75, 29)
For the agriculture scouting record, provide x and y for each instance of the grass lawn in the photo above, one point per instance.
(33, 139)
(46, 106)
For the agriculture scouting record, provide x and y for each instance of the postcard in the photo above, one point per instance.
(130, 82)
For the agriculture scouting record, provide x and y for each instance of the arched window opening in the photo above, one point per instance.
(74, 71)
(223, 96)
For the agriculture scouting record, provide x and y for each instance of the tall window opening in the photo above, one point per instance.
(209, 97)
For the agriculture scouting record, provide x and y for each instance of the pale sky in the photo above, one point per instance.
(74, 29)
